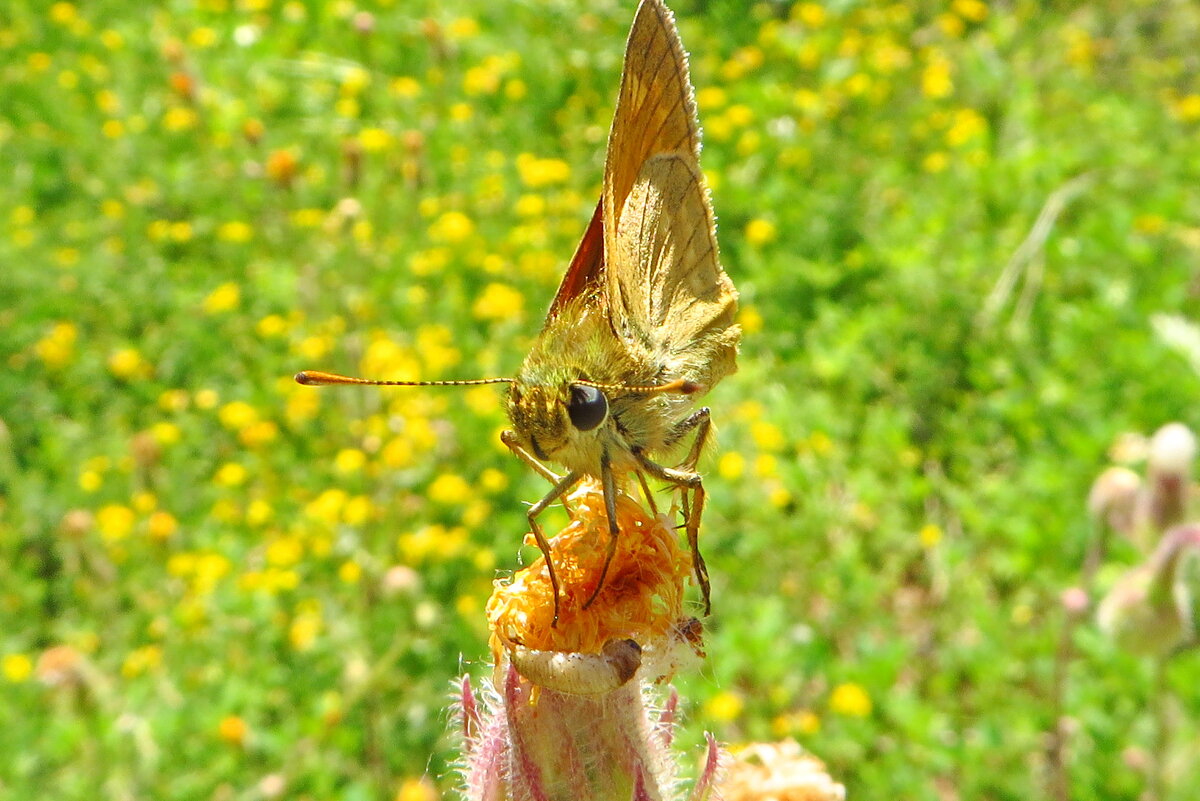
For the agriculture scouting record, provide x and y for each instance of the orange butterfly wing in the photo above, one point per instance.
(664, 282)
(586, 265)
(655, 113)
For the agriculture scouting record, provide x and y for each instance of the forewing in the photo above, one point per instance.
(666, 287)
(656, 112)
(586, 265)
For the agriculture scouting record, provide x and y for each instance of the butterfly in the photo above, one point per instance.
(643, 322)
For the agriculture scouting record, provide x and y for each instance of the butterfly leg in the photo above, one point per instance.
(561, 485)
(647, 493)
(691, 483)
(564, 484)
(610, 509)
(509, 438)
(700, 420)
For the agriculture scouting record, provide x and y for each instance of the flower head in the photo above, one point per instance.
(642, 595)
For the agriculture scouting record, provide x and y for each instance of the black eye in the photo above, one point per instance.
(588, 407)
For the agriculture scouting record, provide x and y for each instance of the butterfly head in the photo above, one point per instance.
(552, 419)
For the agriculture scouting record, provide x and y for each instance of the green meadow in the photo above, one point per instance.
(962, 232)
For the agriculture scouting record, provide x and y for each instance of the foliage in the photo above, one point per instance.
(218, 584)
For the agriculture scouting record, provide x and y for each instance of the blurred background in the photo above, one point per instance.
(967, 240)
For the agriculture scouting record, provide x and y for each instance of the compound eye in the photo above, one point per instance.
(588, 407)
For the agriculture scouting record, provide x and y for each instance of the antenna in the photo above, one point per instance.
(679, 385)
(318, 378)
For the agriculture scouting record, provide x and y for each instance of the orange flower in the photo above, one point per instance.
(233, 730)
(281, 167)
(642, 596)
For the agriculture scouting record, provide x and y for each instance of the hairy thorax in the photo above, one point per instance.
(586, 349)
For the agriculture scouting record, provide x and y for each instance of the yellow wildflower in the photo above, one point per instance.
(970, 10)
(258, 434)
(935, 162)
(740, 115)
(760, 232)
(162, 525)
(731, 465)
(450, 489)
(206, 399)
(16, 667)
(1149, 223)
(481, 80)
(141, 660)
(235, 231)
(779, 497)
(284, 552)
(281, 166)
(1188, 108)
(421, 789)
(302, 406)
(725, 706)
(66, 257)
(233, 730)
(751, 319)
(259, 512)
(515, 89)
(307, 218)
(236, 415)
(374, 140)
(498, 302)
(951, 25)
(357, 510)
(766, 466)
(114, 521)
(483, 401)
(711, 98)
(223, 299)
(452, 226)
(405, 87)
(767, 436)
(166, 433)
(127, 363)
(350, 572)
(231, 474)
(304, 630)
(850, 699)
(63, 13)
(530, 206)
(967, 125)
(144, 502)
(202, 38)
(397, 453)
(462, 28)
(930, 535)
(536, 173)
(936, 80)
(327, 506)
(180, 118)
(272, 325)
(90, 481)
(57, 348)
(811, 15)
(349, 460)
